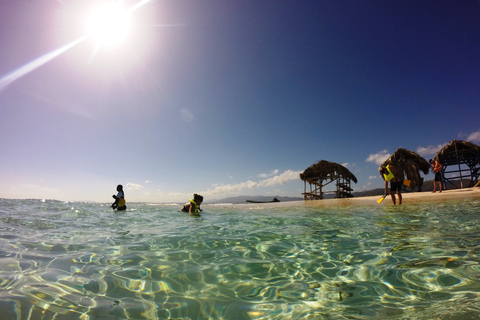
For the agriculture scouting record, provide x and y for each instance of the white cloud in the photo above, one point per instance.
(430, 150)
(345, 164)
(277, 179)
(283, 178)
(474, 136)
(378, 157)
(133, 186)
(266, 175)
(372, 177)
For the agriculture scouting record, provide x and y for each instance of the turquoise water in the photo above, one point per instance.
(69, 260)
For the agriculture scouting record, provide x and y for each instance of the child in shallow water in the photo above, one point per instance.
(193, 205)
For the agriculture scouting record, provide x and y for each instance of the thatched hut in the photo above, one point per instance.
(410, 163)
(322, 174)
(460, 160)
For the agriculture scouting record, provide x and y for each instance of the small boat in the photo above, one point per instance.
(253, 201)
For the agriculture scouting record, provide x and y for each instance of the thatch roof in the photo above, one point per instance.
(411, 163)
(326, 170)
(463, 149)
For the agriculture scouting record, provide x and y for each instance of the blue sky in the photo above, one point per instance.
(228, 98)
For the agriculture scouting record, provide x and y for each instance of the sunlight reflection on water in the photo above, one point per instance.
(83, 261)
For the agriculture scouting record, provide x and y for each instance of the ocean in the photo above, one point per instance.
(80, 260)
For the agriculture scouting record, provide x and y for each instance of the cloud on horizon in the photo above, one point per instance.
(430, 150)
(378, 157)
(133, 186)
(277, 179)
(267, 175)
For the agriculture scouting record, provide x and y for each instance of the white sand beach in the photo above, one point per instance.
(408, 198)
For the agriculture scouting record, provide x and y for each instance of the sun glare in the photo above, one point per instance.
(109, 24)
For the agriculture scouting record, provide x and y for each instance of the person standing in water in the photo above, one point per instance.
(437, 169)
(119, 203)
(395, 176)
(193, 205)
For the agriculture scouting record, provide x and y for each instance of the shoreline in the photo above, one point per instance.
(408, 198)
(472, 193)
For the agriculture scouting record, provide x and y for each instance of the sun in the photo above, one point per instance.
(109, 24)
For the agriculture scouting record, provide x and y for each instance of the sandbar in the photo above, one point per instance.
(408, 198)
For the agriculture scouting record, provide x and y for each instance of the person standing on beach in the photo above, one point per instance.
(437, 169)
(119, 203)
(193, 205)
(395, 176)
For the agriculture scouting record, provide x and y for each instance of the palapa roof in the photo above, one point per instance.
(411, 163)
(326, 170)
(463, 149)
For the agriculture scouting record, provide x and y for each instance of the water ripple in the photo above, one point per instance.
(62, 260)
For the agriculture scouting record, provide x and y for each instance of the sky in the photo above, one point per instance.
(228, 98)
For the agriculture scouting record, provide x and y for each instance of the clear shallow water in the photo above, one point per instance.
(83, 261)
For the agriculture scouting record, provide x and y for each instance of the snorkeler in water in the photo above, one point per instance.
(119, 203)
(193, 205)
